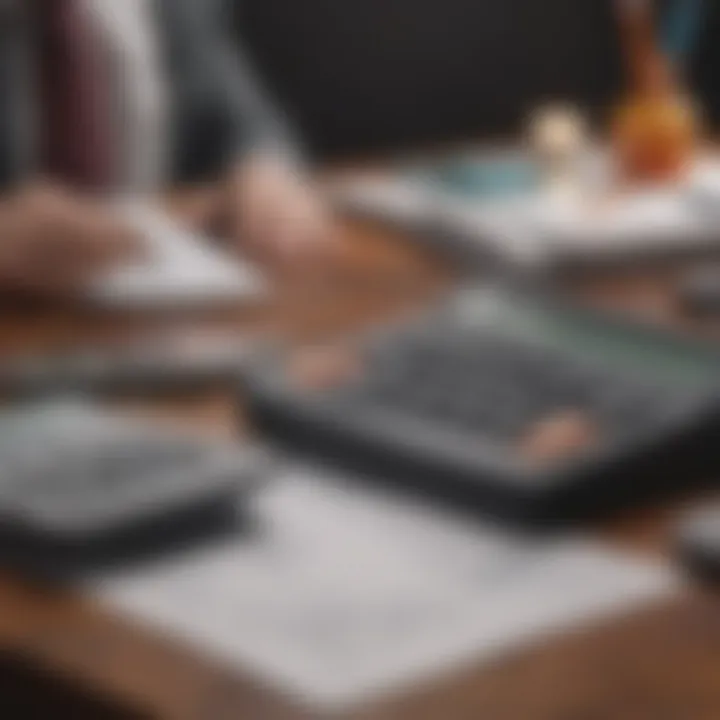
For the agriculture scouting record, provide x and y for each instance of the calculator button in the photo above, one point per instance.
(558, 437)
(319, 369)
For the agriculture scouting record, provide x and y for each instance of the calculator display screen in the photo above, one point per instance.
(652, 352)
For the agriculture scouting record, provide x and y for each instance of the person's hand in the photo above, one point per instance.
(52, 241)
(275, 211)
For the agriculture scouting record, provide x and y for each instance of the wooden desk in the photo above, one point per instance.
(663, 662)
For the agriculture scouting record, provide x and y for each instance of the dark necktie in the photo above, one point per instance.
(75, 108)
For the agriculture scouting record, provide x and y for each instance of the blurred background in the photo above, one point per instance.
(409, 72)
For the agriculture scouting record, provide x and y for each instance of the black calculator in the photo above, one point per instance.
(84, 489)
(508, 402)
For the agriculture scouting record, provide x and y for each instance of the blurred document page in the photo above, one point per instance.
(179, 266)
(346, 593)
(538, 226)
(390, 198)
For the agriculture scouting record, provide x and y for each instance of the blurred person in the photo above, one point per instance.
(107, 97)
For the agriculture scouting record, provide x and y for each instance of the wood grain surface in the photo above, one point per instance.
(662, 663)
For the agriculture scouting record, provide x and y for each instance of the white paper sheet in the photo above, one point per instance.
(347, 593)
(178, 268)
(540, 228)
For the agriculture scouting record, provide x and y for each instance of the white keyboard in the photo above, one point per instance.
(180, 268)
